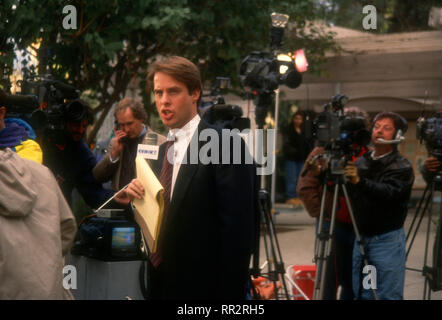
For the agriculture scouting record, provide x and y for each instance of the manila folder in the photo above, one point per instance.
(149, 209)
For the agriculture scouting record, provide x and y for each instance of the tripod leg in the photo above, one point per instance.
(425, 268)
(277, 254)
(358, 236)
(430, 212)
(320, 245)
(272, 276)
(417, 212)
(274, 257)
(328, 244)
(427, 202)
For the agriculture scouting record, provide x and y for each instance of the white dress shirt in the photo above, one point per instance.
(182, 137)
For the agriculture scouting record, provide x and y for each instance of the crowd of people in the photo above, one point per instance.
(210, 209)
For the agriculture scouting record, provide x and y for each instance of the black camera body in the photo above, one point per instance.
(220, 114)
(42, 102)
(430, 131)
(264, 71)
(338, 133)
(261, 71)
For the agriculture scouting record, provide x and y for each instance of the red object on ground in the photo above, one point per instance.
(304, 277)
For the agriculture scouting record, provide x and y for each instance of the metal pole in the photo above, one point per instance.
(273, 183)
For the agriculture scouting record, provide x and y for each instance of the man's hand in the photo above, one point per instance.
(351, 172)
(314, 166)
(117, 143)
(432, 164)
(134, 190)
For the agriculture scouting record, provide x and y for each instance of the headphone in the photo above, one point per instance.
(400, 124)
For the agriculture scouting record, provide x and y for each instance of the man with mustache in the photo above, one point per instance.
(380, 185)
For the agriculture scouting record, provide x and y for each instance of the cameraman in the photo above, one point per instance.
(119, 162)
(339, 271)
(380, 185)
(70, 159)
(18, 135)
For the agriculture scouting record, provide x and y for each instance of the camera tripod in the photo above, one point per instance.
(325, 235)
(276, 270)
(433, 275)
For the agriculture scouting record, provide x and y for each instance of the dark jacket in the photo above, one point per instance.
(106, 170)
(208, 234)
(71, 163)
(310, 190)
(380, 199)
(295, 146)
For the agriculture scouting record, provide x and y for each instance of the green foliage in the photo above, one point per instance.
(116, 39)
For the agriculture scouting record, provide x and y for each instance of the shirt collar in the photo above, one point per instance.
(186, 131)
(142, 131)
(380, 157)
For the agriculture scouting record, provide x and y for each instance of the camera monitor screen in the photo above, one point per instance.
(123, 237)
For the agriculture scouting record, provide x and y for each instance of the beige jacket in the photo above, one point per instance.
(37, 229)
(106, 170)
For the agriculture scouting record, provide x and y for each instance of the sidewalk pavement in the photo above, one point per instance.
(295, 231)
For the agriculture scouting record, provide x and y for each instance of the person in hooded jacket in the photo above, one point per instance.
(19, 136)
(37, 230)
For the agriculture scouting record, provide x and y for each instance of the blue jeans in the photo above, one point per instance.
(292, 171)
(386, 252)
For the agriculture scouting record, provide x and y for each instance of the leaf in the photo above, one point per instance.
(114, 46)
(129, 19)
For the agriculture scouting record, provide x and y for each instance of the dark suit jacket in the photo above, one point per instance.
(209, 232)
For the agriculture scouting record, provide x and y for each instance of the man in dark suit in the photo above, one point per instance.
(207, 236)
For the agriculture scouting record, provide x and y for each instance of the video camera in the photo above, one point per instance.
(264, 72)
(430, 130)
(109, 236)
(337, 133)
(42, 102)
(218, 113)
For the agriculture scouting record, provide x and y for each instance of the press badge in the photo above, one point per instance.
(148, 151)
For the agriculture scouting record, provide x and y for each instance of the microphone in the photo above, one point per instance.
(149, 149)
(395, 141)
(399, 139)
(152, 139)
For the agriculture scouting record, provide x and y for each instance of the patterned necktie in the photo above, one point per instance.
(166, 182)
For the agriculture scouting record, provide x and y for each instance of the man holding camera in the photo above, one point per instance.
(310, 188)
(118, 164)
(380, 185)
(70, 159)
